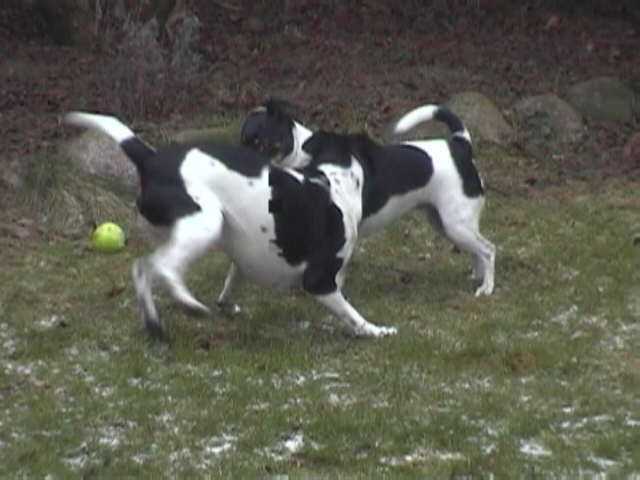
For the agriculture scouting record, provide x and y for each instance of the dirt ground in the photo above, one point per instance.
(356, 63)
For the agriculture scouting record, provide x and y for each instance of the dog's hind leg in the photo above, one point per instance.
(467, 238)
(230, 283)
(190, 238)
(146, 306)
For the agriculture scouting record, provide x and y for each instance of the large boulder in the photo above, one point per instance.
(603, 99)
(69, 201)
(479, 114)
(547, 125)
(631, 152)
(482, 117)
(97, 154)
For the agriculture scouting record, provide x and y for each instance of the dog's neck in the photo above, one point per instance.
(298, 158)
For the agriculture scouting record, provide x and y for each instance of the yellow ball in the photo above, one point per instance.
(108, 238)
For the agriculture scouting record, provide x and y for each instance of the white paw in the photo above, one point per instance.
(376, 332)
(484, 289)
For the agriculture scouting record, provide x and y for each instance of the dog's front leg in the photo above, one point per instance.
(340, 307)
(230, 282)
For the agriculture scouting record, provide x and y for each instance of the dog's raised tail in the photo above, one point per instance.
(426, 113)
(138, 151)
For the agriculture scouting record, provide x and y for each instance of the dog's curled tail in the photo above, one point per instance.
(426, 113)
(137, 151)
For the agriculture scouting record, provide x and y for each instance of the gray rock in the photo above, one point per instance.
(97, 154)
(479, 114)
(547, 125)
(482, 117)
(631, 151)
(603, 99)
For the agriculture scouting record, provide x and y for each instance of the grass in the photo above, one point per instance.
(540, 380)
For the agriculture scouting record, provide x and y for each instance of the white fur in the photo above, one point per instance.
(415, 117)
(298, 158)
(109, 125)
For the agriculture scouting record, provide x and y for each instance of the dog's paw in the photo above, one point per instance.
(154, 329)
(229, 308)
(375, 331)
(484, 289)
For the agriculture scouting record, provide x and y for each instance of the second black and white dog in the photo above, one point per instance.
(281, 228)
(437, 176)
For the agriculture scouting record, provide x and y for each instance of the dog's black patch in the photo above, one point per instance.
(138, 151)
(308, 227)
(163, 197)
(328, 147)
(163, 203)
(450, 119)
(462, 154)
(388, 170)
(269, 131)
(238, 158)
(395, 170)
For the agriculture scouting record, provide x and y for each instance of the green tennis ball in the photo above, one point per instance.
(108, 238)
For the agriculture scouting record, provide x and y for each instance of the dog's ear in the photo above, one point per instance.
(315, 143)
(252, 126)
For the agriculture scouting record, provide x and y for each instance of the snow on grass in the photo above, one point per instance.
(421, 455)
(289, 445)
(534, 448)
(603, 463)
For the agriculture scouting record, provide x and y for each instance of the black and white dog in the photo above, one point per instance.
(281, 228)
(436, 176)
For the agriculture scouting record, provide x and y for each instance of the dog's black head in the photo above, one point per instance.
(268, 129)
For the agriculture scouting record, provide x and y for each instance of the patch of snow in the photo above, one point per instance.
(293, 443)
(421, 455)
(603, 463)
(213, 448)
(112, 435)
(49, 323)
(565, 316)
(324, 375)
(259, 407)
(534, 448)
(218, 445)
(9, 343)
(290, 445)
(569, 274)
(631, 422)
(79, 458)
(337, 400)
(181, 456)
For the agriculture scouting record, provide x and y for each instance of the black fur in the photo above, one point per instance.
(462, 154)
(308, 227)
(389, 170)
(163, 198)
(269, 131)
